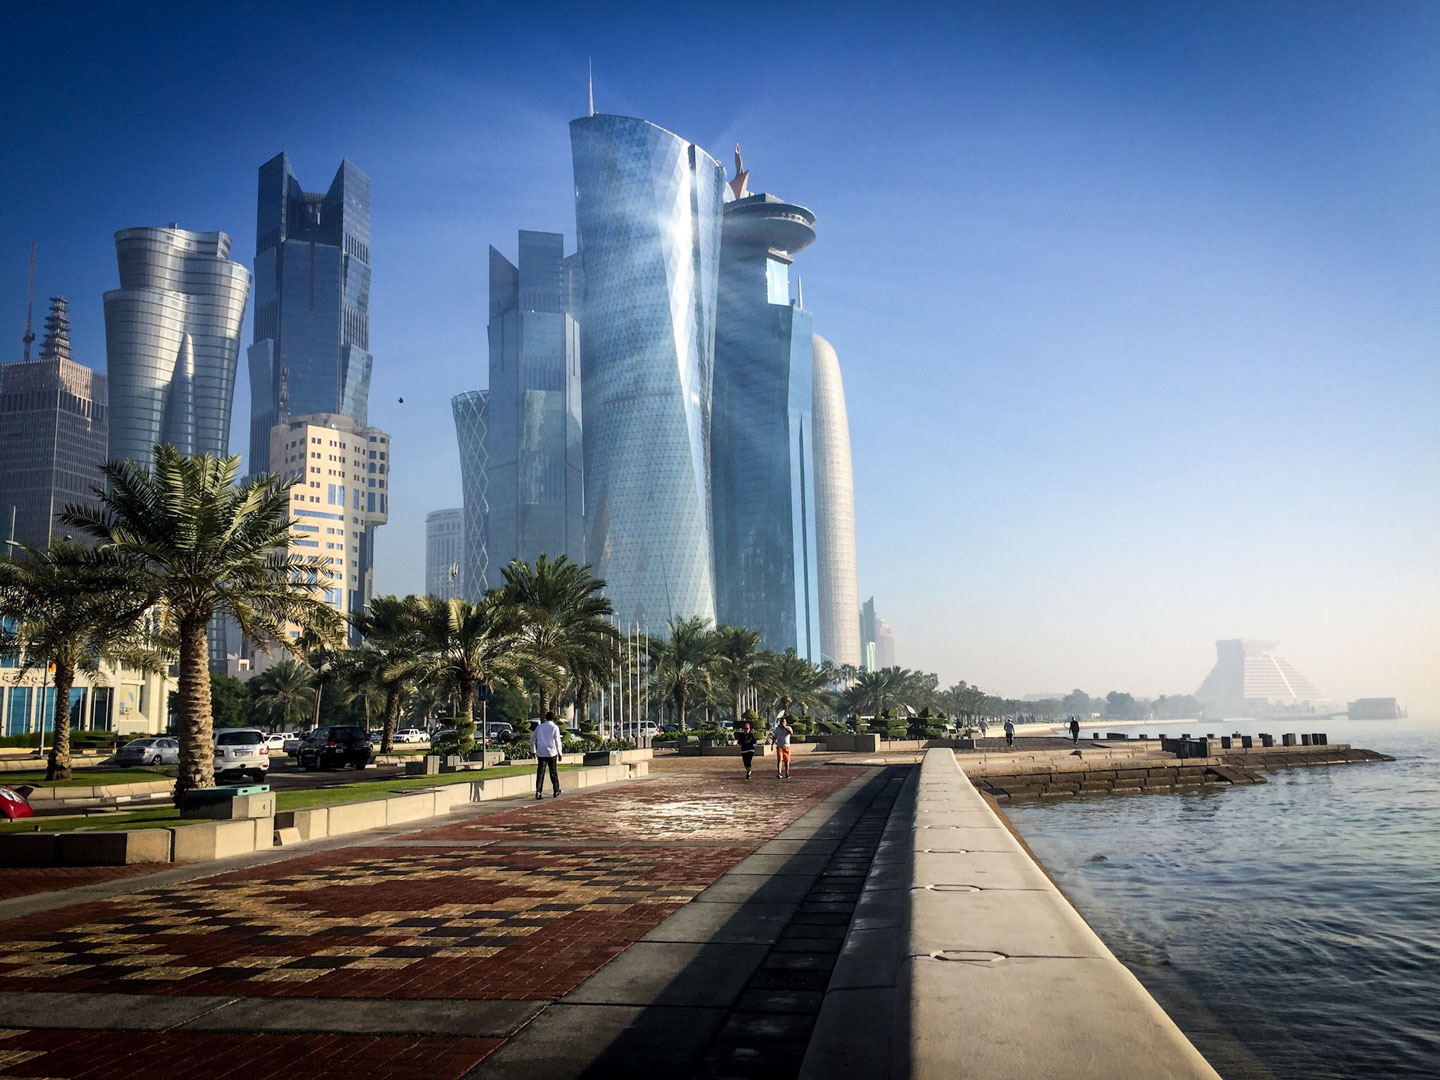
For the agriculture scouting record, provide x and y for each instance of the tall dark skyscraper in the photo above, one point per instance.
(535, 487)
(53, 435)
(312, 302)
(762, 454)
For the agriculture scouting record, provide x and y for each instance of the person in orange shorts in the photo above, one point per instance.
(781, 735)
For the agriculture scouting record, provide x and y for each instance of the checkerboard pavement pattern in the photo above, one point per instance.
(521, 904)
(19, 881)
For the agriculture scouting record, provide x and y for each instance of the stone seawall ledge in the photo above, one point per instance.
(955, 912)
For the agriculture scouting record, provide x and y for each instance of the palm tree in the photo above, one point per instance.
(390, 658)
(321, 653)
(285, 691)
(467, 644)
(681, 662)
(878, 689)
(202, 546)
(738, 663)
(796, 681)
(69, 607)
(565, 619)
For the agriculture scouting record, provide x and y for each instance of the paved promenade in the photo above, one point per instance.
(687, 922)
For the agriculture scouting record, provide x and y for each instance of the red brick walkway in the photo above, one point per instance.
(522, 904)
(27, 882)
(134, 1055)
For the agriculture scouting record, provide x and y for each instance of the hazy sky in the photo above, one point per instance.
(1136, 305)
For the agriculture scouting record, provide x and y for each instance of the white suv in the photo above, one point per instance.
(242, 750)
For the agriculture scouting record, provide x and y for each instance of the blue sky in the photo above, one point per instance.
(1136, 304)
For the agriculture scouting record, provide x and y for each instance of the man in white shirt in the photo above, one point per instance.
(546, 745)
(782, 734)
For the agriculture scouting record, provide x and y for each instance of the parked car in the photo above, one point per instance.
(501, 732)
(410, 735)
(278, 740)
(292, 743)
(336, 747)
(13, 805)
(441, 733)
(241, 751)
(669, 729)
(160, 750)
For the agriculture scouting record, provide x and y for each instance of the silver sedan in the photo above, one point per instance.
(149, 751)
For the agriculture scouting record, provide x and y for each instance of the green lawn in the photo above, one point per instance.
(88, 777)
(167, 816)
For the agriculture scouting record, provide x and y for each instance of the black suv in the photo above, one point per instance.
(336, 747)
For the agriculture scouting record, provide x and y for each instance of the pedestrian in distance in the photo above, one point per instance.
(745, 739)
(984, 727)
(1075, 729)
(1009, 732)
(782, 734)
(547, 746)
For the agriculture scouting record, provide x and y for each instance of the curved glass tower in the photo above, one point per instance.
(647, 211)
(172, 341)
(834, 513)
(472, 417)
(762, 454)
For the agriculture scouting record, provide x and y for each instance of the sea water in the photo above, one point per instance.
(1290, 928)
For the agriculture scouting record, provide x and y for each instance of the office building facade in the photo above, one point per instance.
(762, 452)
(172, 341)
(472, 412)
(312, 302)
(341, 495)
(54, 433)
(648, 213)
(444, 549)
(835, 551)
(534, 455)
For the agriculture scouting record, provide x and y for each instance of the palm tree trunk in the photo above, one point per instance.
(680, 703)
(392, 715)
(58, 767)
(735, 706)
(465, 723)
(197, 737)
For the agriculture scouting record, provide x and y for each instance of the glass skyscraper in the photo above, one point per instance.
(312, 302)
(444, 545)
(834, 513)
(762, 453)
(472, 415)
(534, 489)
(648, 210)
(54, 432)
(172, 341)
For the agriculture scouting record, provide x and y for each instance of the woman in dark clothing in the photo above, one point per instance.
(745, 739)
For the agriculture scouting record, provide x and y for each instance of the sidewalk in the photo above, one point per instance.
(420, 953)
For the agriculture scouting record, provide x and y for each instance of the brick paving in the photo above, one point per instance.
(16, 882)
(112, 1055)
(521, 904)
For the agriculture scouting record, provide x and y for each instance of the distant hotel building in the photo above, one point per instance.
(444, 549)
(472, 411)
(1249, 679)
(648, 212)
(762, 429)
(172, 341)
(877, 640)
(54, 435)
(534, 490)
(340, 498)
(312, 302)
(834, 514)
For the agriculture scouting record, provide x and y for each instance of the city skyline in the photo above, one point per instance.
(1156, 370)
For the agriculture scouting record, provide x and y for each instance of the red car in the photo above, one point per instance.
(13, 805)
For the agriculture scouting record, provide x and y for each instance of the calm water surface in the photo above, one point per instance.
(1300, 917)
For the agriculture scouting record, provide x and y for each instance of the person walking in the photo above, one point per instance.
(984, 727)
(1009, 732)
(547, 746)
(1075, 729)
(782, 734)
(745, 739)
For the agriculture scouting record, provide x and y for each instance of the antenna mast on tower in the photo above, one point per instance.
(591, 65)
(30, 305)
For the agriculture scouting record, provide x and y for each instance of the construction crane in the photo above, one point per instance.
(30, 305)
